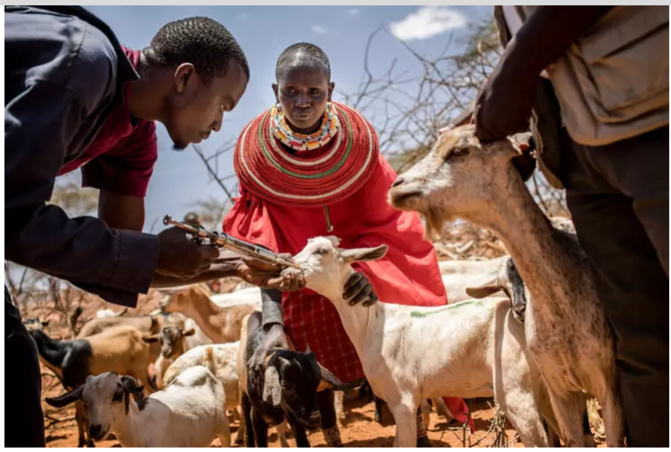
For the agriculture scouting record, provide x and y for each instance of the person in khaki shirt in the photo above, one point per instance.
(596, 79)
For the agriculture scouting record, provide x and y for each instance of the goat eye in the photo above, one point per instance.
(118, 396)
(322, 251)
(457, 152)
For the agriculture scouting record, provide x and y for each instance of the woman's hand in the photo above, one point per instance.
(359, 290)
(269, 276)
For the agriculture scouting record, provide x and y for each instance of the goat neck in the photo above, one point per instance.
(355, 319)
(51, 352)
(130, 429)
(208, 317)
(542, 255)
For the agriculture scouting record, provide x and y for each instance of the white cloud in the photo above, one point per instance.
(353, 12)
(322, 30)
(426, 22)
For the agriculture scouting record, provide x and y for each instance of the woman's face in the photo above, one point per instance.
(303, 93)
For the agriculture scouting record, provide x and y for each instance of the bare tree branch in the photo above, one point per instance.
(212, 172)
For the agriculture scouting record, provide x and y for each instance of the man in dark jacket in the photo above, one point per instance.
(75, 98)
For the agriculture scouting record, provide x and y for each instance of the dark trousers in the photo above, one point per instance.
(24, 421)
(618, 196)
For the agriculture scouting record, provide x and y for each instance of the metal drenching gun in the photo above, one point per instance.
(224, 240)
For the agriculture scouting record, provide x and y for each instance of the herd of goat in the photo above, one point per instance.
(526, 329)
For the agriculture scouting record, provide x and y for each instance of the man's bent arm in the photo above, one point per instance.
(115, 264)
(223, 268)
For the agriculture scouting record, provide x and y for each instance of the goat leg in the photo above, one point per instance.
(329, 426)
(378, 409)
(282, 429)
(247, 420)
(422, 433)
(406, 425)
(237, 415)
(260, 427)
(79, 416)
(299, 432)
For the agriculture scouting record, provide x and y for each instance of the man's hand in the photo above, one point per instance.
(269, 276)
(359, 290)
(275, 338)
(504, 104)
(181, 258)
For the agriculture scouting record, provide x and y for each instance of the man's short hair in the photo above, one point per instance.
(304, 51)
(201, 41)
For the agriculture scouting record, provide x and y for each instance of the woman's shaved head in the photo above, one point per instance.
(303, 55)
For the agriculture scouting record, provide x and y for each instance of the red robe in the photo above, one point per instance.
(408, 274)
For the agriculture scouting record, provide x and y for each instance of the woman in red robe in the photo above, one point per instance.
(309, 167)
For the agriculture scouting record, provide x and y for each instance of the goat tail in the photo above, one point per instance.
(209, 360)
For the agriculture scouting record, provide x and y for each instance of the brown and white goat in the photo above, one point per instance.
(565, 324)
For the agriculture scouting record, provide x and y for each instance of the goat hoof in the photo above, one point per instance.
(90, 443)
(423, 441)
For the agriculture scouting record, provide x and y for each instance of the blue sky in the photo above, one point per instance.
(180, 178)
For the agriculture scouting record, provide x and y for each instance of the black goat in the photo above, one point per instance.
(286, 389)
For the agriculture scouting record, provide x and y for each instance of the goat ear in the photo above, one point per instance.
(334, 240)
(516, 288)
(525, 164)
(284, 363)
(131, 385)
(189, 332)
(524, 161)
(365, 254)
(67, 398)
(523, 142)
(484, 290)
(150, 339)
(154, 325)
(272, 388)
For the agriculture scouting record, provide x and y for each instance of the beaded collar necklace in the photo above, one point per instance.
(304, 142)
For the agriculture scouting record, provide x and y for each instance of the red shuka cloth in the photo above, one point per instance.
(408, 274)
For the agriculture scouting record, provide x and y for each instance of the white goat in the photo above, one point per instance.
(410, 353)
(565, 324)
(225, 369)
(188, 413)
(117, 349)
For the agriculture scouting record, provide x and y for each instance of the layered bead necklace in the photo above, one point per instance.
(304, 142)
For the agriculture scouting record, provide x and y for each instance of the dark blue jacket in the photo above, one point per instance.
(64, 70)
